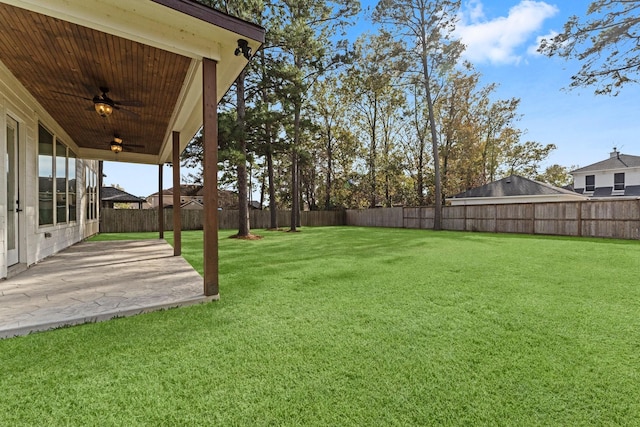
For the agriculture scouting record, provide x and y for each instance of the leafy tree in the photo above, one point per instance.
(245, 9)
(479, 139)
(192, 157)
(497, 134)
(557, 175)
(304, 37)
(268, 120)
(459, 113)
(524, 158)
(336, 147)
(374, 100)
(426, 28)
(415, 142)
(607, 43)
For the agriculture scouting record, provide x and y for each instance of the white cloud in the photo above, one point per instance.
(474, 10)
(499, 40)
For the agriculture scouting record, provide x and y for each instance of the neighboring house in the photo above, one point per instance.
(514, 189)
(192, 205)
(88, 80)
(188, 192)
(114, 198)
(616, 177)
(193, 193)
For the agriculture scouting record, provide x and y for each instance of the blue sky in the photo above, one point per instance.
(501, 38)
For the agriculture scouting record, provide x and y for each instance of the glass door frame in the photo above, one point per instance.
(12, 177)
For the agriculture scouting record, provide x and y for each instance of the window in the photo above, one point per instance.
(590, 181)
(618, 181)
(91, 181)
(56, 180)
(61, 183)
(45, 177)
(72, 188)
(87, 183)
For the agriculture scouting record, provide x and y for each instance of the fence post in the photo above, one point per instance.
(533, 218)
(464, 227)
(404, 218)
(580, 218)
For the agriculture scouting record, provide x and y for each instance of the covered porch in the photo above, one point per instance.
(95, 281)
(115, 80)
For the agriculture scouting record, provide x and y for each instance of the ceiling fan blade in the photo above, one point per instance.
(124, 110)
(129, 103)
(70, 94)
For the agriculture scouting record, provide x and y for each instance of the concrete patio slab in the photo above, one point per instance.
(96, 281)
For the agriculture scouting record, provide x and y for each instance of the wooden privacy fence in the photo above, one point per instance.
(592, 218)
(378, 217)
(139, 220)
(603, 218)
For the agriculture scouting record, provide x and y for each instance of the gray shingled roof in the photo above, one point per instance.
(620, 161)
(112, 194)
(513, 185)
(602, 191)
(185, 190)
(629, 191)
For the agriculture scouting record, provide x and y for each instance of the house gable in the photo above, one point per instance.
(109, 196)
(194, 192)
(617, 161)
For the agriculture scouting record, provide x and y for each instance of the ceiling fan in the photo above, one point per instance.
(118, 146)
(104, 105)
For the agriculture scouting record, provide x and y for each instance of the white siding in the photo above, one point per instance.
(36, 242)
(605, 178)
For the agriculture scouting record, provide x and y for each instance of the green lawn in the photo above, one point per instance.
(344, 326)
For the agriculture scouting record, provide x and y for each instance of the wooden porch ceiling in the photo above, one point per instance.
(63, 65)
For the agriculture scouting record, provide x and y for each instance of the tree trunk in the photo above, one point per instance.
(387, 183)
(420, 178)
(243, 205)
(372, 156)
(295, 183)
(273, 207)
(262, 187)
(421, 147)
(327, 197)
(437, 216)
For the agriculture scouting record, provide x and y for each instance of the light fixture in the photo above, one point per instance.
(103, 107)
(243, 49)
(116, 145)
